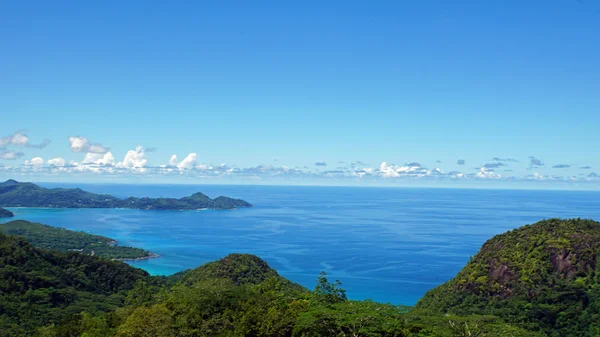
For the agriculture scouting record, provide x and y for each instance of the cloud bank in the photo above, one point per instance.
(135, 162)
(96, 159)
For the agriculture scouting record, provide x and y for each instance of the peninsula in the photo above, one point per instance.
(4, 213)
(64, 240)
(19, 194)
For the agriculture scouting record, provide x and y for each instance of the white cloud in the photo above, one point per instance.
(56, 162)
(487, 173)
(360, 173)
(11, 155)
(78, 144)
(93, 162)
(81, 144)
(188, 163)
(173, 160)
(97, 148)
(455, 174)
(436, 172)
(204, 167)
(91, 158)
(19, 139)
(539, 176)
(390, 171)
(387, 171)
(36, 162)
(135, 160)
(99, 158)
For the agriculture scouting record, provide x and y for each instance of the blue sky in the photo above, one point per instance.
(287, 85)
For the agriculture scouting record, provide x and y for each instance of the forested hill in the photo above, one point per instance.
(39, 287)
(544, 276)
(17, 194)
(60, 239)
(4, 213)
(539, 280)
(44, 293)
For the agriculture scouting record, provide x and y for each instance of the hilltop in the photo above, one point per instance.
(543, 277)
(18, 194)
(239, 268)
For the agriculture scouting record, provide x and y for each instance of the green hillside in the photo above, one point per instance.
(40, 287)
(60, 239)
(538, 280)
(240, 295)
(542, 277)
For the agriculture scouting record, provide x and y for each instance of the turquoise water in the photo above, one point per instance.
(390, 245)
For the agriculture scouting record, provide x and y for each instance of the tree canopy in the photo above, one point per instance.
(539, 280)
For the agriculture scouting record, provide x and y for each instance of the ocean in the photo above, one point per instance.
(385, 244)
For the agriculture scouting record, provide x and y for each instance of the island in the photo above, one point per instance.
(64, 240)
(20, 194)
(537, 280)
(4, 213)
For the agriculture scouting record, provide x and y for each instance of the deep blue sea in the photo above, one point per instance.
(386, 244)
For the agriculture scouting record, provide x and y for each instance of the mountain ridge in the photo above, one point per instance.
(18, 194)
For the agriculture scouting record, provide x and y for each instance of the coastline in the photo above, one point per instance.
(130, 209)
(147, 257)
(115, 243)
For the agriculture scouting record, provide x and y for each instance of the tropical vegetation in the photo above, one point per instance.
(543, 277)
(60, 239)
(539, 280)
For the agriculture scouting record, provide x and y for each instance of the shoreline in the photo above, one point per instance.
(115, 243)
(131, 209)
(147, 257)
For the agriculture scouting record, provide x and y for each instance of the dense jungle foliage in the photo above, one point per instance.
(539, 280)
(38, 287)
(542, 277)
(47, 237)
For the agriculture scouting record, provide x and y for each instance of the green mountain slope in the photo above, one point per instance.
(60, 239)
(538, 280)
(17, 194)
(240, 295)
(542, 277)
(39, 287)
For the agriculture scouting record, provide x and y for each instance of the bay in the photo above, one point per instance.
(386, 244)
